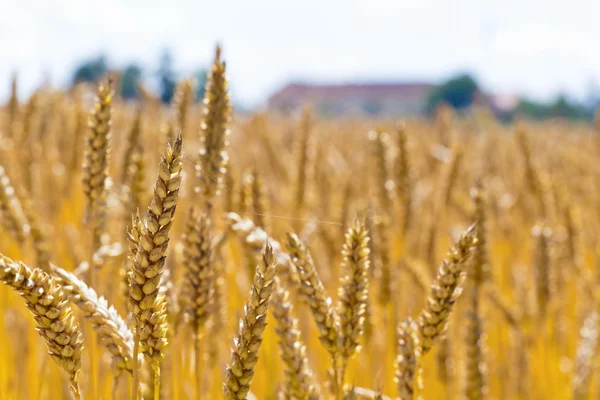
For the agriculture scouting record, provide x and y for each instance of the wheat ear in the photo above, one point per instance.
(542, 235)
(199, 272)
(325, 315)
(445, 291)
(299, 381)
(475, 366)
(183, 97)
(95, 165)
(321, 306)
(354, 290)
(9, 208)
(110, 327)
(304, 160)
(50, 308)
(259, 199)
(244, 355)
(403, 177)
(12, 106)
(408, 376)
(130, 147)
(145, 297)
(584, 359)
(213, 158)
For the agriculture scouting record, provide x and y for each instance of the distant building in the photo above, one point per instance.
(382, 99)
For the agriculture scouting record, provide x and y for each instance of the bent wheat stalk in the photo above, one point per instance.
(50, 307)
(110, 327)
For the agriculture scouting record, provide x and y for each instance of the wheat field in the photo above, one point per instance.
(190, 252)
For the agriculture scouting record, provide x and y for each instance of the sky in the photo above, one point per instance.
(536, 48)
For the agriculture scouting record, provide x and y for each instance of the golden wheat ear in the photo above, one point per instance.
(313, 291)
(110, 327)
(445, 291)
(214, 132)
(95, 165)
(56, 324)
(408, 376)
(146, 295)
(354, 290)
(299, 380)
(244, 355)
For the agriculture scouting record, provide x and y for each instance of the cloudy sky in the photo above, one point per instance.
(533, 47)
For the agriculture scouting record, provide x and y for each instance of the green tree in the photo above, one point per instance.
(459, 91)
(130, 80)
(166, 77)
(561, 107)
(90, 70)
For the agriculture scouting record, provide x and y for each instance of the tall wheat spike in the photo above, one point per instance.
(95, 165)
(445, 291)
(408, 376)
(403, 177)
(475, 368)
(132, 143)
(10, 209)
(542, 235)
(354, 290)
(311, 286)
(145, 297)
(182, 99)
(304, 160)
(300, 382)
(244, 355)
(213, 159)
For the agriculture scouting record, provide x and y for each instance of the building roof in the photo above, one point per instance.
(295, 92)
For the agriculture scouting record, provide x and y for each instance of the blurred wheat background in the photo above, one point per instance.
(359, 212)
(349, 241)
